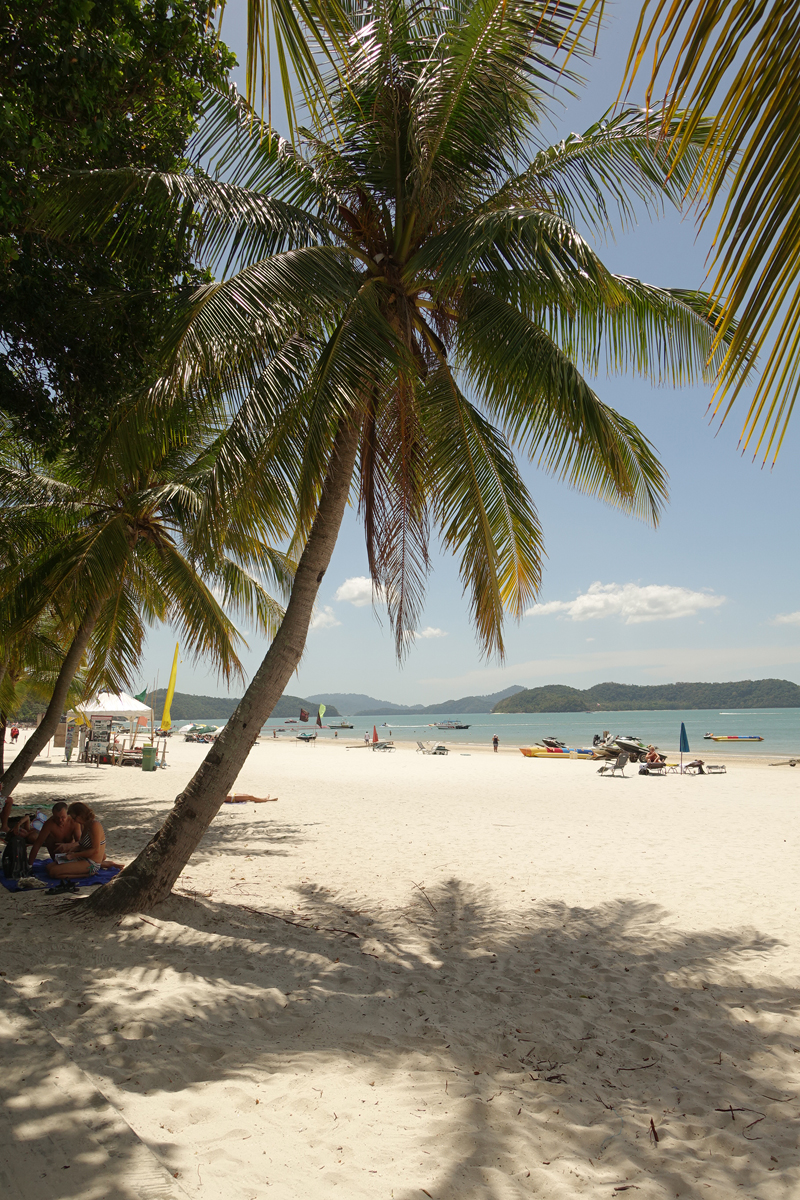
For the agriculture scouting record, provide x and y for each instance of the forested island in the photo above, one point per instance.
(628, 697)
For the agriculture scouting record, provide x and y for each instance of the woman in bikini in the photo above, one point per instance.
(89, 855)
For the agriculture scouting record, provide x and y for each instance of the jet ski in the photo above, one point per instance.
(612, 745)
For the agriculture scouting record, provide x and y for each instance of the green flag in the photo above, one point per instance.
(142, 697)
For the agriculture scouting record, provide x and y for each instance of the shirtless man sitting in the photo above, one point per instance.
(59, 834)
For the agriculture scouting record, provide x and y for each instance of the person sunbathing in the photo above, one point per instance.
(245, 797)
(652, 755)
(90, 855)
(58, 835)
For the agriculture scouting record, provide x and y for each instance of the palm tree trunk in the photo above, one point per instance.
(49, 723)
(150, 877)
(3, 724)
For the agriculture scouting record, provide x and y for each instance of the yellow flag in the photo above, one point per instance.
(166, 723)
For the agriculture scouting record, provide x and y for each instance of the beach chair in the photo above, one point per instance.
(432, 748)
(611, 766)
(716, 769)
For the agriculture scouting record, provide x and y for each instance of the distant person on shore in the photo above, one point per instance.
(14, 735)
(59, 834)
(495, 743)
(90, 854)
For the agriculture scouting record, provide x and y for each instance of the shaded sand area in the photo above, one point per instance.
(468, 977)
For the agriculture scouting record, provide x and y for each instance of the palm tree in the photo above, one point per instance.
(111, 546)
(752, 169)
(411, 300)
(29, 667)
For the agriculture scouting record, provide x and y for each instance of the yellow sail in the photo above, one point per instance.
(166, 723)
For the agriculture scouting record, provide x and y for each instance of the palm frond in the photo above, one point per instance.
(299, 31)
(623, 162)
(483, 509)
(533, 389)
(697, 47)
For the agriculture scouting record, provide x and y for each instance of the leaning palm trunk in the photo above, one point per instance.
(49, 723)
(150, 877)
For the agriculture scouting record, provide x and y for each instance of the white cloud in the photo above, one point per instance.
(786, 619)
(428, 632)
(653, 602)
(357, 591)
(324, 618)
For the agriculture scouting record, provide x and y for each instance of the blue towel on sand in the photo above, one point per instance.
(40, 871)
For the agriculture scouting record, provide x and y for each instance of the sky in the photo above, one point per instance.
(711, 594)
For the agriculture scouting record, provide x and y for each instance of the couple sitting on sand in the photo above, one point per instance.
(73, 837)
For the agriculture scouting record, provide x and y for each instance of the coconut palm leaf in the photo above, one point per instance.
(696, 48)
(298, 31)
(533, 390)
(482, 508)
(623, 162)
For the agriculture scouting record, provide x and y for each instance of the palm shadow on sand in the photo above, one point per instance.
(542, 1042)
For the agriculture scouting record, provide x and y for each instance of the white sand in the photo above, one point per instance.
(546, 960)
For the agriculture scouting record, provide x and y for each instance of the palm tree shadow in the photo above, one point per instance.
(541, 1043)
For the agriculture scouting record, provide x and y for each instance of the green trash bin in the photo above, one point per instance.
(149, 758)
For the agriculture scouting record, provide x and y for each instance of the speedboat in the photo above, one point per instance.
(448, 725)
(340, 725)
(732, 737)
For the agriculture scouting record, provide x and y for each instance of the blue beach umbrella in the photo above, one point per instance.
(684, 746)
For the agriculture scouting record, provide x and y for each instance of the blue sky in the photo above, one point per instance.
(699, 598)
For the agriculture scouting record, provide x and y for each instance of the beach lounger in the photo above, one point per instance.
(716, 769)
(656, 768)
(611, 766)
(432, 748)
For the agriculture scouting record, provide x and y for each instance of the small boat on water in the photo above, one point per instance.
(556, 752)
(448, 725)
(340, 725)
(732, 737)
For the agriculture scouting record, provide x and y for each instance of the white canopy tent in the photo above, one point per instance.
(119, 706)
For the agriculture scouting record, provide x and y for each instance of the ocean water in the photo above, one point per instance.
(779, 727)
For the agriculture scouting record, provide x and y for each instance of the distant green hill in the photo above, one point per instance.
(186, 707)
(620, 697)
(359, 705)
(552, 698)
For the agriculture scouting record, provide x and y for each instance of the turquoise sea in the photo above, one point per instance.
(780, 728)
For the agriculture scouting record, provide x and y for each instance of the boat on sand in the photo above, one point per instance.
(555, 752)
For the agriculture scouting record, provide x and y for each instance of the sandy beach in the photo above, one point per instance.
(461, 977)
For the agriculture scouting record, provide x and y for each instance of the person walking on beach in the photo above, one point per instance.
(495, 743)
